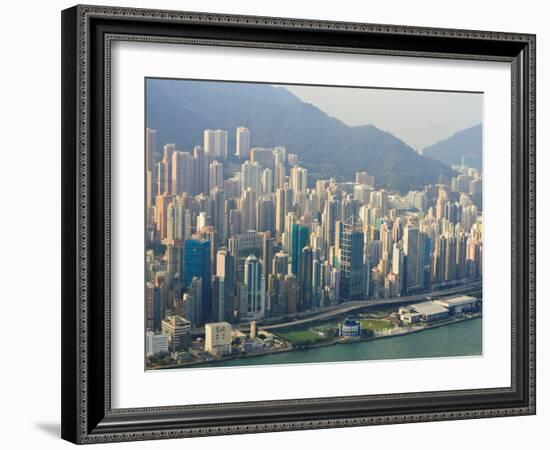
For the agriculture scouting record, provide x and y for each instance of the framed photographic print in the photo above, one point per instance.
(281, 224)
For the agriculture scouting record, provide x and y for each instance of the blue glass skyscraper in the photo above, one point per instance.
(299, 239)
(196, 263)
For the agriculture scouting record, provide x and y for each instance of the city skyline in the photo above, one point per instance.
(246, 255)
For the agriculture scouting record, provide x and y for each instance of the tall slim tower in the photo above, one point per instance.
(150, 149)
(299, 239)
(216, 175)
(305, 278)
(266, 215)
(183, 173)
(251, 177)
(225, 269)
(283, 205)
(248, 210)
(215, 143)
(150, 172)
(352, 240)
(243, 143)
(219, 217)
(412, 257)
(202, 161)
(255, 288)
(280, 263)
(196, 263)
(164, 170)
(298, 180)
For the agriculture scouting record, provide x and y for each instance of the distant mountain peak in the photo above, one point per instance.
(467, 142)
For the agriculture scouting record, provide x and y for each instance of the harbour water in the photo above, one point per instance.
(458, 339)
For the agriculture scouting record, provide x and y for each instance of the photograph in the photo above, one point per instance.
(297, 221)
(297, 224)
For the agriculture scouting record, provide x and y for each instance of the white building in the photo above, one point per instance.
(243, 142)
(215, 143)
(218, 338)
(216, 175)
(458, 304)
(298, 180)
(178, 330)
(251, 173)
(430, 311)
(156, 344)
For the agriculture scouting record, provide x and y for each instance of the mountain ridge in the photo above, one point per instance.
(466, 142)
(326, 146)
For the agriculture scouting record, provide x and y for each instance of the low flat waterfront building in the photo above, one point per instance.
(350, 327)
(410, 317)
(218, 338)
(156, 344)
(430, 311)
(178, 330)
(459, 304)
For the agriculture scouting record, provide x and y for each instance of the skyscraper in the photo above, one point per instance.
(218, 298)
(266, 216)
(450, 263)
(215, 143)
(330, 215)
(267, 182)
(202, 164)
(178, 221)
(150, 149)
(153, 306)
(183, 173)
(280, 263)
(351, 260)
(242, 142)
(255, 288)
(414, 268)
(196, 263)
(298, 180)
(251, 177)
(299, 239)
(216, 175)
(263, 156)
(248, 210)
(219, 215)
(305, 278)
(161, 206)
(225, 269)
(398, 263)
(268, 251)
(151, 186)
(283, 205)
(279, 175)
(291, 293)
(316, 283)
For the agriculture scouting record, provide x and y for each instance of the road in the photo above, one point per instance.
(346, 308)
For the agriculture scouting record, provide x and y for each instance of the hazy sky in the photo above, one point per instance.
(420, 118)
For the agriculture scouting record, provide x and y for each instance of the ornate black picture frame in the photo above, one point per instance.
(87, 34)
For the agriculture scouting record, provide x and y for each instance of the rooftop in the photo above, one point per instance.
(456, 301)
(429, 308)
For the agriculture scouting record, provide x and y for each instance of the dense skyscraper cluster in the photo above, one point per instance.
(243, 235)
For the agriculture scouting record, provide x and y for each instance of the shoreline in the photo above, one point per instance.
(410, 330)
